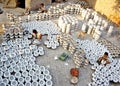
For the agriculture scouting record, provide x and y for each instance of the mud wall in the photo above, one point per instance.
(110, 8)
(36, 3)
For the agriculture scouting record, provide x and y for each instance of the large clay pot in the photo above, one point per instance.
(74, 72)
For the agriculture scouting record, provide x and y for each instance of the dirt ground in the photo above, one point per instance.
(58, 69)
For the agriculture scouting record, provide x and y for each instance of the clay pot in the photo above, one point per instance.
(74, 80)
(74, 72)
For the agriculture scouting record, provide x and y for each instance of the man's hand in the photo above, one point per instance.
(107, 62)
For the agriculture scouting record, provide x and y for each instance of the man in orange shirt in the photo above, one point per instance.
(42, 8)
(37, 36)
(104, 58)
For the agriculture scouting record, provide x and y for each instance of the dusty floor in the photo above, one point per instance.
(60, 70)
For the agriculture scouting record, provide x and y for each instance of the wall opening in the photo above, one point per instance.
(21, 3)
(53, 1)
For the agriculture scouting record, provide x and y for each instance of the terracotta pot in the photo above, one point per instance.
(74, 72)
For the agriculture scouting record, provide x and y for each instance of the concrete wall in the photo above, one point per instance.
(110, 8)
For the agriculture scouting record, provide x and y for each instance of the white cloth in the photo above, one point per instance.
(36, 41)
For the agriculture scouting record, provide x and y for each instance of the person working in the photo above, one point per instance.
(37, 36)
(42, 8)
(104, 58)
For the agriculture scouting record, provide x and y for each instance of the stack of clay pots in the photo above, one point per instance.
(68, 23)
(83, 3)
(17, 64)
(79, 58)
(103, 74)
(12, 32)
(96, 25)
(44, 27)
(72, 9)
(10, 16)
(43, 16)
(114, 50)
(67, 42)
(51, 42)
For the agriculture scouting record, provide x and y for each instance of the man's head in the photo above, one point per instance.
(106, 55)
(42, 4)
(35, 31)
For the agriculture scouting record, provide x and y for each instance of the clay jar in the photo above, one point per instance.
(74, 72)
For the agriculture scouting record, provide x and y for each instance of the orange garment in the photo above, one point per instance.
(104, 59)
(37, 36)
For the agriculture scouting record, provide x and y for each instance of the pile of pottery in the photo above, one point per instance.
(53, 12)
(25, 18)
(44, 16)
(57, 9)
(72, 9)
(82, 3)
(79, 59)
(20, 46)
(10, 16)
(96, 31)
(68, 23)
(51, 42)
(92, 49)
(44, 27)
(61, 9)
(17, 64)
(114, 50)
(104, 74)
(12, 32)
(67, 42)
(96, 25)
